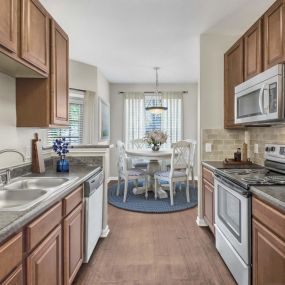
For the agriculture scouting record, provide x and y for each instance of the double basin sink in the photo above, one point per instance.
(25, 192)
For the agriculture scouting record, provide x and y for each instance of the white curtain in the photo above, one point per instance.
(134, 111)
(172, 119)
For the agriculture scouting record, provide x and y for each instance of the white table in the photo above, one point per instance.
(153, 166)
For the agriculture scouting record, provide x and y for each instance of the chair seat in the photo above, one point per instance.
(141, 165)
(136, 172)
(166, 174)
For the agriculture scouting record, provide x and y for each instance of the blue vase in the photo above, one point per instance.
(62, 165)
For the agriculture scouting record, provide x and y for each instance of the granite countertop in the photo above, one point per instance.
(274, 195)
(212, 165)
(12, 221)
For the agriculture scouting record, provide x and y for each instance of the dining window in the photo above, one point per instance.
(138, 121)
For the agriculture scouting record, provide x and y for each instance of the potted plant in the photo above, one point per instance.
(155, 139)
(60, 146)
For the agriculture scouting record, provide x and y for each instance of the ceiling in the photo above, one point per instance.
(127, 38)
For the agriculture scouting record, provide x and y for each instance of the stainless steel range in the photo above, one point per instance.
(233, 208)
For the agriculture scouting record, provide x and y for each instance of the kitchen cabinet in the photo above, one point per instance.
(11, 253)
(16, 277)
(274, 34)
(35, 34)
(208, 198)
(233, 75)
(268, 244)
(44, 264)
(252, 50)
(73, 228)
(44, 102)
(9, 24)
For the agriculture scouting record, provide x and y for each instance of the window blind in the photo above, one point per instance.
(138, 121)
(74, 132)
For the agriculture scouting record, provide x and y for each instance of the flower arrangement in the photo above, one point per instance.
(155, 139)
(60, 146)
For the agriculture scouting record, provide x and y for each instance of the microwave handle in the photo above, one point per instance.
(261, 107)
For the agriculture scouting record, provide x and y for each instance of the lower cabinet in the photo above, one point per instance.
(73, 243)
(15, 278)
(44, 265)
(268, 244)
(208, 198)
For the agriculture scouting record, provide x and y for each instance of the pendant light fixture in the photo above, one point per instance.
(155, 103)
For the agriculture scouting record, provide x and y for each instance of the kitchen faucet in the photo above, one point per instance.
(8, 170)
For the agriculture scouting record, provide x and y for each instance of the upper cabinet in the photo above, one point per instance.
(35, 34)
(8, 24)
(59, 75)
(252, 50)
(233, 75)
(274, 34)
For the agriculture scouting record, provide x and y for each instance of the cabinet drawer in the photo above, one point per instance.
(72, 200)
(10, 255)
(16, 278)
(208, 175)
(39, 229)
(269, 216)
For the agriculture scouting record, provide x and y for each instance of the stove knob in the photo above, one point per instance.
(267, 149)
(272, 148)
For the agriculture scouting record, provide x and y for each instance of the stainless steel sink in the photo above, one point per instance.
(29, 183)
(19, 200)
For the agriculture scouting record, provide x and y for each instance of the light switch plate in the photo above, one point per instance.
(255, 148)
(208, 147)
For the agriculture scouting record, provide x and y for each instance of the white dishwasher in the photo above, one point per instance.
(93, 196)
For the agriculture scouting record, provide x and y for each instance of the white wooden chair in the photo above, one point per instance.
(139, 163)
(127, 174)
(179, 169)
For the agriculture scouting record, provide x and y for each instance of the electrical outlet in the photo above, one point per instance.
(208, 147)
(255, 148)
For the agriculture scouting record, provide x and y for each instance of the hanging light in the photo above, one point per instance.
(155, 103)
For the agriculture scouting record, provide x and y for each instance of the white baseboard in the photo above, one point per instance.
(201, 222)
(105, 232)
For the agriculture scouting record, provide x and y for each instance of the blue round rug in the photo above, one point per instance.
(138, 203)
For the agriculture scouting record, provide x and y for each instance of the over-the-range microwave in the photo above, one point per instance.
(260, 100)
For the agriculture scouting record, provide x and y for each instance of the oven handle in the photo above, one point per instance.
(232, 186)
(261, 107)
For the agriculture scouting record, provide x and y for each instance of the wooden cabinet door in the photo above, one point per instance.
(252, 51)
(208, 204)
(35, 34)
(268, 256)
(44, 265)
(233, 76)
(274, 34)
(15, 278)
(8, 24)
(73, 243)
(59, 76)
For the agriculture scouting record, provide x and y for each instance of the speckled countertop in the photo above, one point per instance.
(273, 195)
(11, 221)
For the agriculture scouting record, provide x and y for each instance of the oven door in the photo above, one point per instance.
(232, 215)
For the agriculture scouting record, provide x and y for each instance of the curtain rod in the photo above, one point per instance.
(151, 92)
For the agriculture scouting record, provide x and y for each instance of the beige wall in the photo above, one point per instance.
(10, 136)
(117, 107)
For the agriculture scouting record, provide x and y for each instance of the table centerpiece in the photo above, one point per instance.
(155, 139)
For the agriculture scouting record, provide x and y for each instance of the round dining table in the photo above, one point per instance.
(153, 166)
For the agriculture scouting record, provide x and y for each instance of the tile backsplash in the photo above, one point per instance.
(225, 142)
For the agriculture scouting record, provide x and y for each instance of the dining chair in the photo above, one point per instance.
(180, 167)
(126, 173)
(139, 162)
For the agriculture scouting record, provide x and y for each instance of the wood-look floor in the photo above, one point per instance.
(155, 249)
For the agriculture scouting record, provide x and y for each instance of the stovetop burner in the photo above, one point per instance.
(253, 180)
(276, 179)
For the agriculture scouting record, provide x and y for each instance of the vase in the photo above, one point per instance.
(62, 165)
(155, 147)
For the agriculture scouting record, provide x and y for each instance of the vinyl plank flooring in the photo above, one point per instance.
(154, 249)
